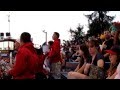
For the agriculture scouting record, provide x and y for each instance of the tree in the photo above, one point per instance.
(98, 22)
(77, 35)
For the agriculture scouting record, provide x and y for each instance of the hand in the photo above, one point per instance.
(103, 45)
(76, 60)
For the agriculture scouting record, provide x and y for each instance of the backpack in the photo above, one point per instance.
(96, 72)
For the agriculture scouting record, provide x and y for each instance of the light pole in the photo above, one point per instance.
(45, 35)
(9, 28)
(9, 21)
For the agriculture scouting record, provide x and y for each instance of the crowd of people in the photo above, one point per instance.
(92, 55)
(98, 57)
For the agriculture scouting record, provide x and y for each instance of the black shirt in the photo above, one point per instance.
(87, 61)
(97, 57)
(109, 44)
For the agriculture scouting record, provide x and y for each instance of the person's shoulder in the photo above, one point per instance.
(56, 42)
(23, 50)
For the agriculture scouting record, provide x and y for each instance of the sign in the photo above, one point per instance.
(1, 36)
(7, 34)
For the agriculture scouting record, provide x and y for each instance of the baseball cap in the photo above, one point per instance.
(115, 50)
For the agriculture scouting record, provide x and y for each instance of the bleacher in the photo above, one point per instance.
(70, 66)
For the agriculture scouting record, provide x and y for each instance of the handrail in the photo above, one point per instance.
(13, 40)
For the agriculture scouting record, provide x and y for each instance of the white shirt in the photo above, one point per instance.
(45, 48)
(118, 72)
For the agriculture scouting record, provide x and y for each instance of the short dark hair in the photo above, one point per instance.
(25, 37)
(57, 34)
(50, 42)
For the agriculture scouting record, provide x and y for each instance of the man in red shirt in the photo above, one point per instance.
(26, 64)
(55, 58)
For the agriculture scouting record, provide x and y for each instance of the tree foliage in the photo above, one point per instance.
(98, 22)
(77, 35)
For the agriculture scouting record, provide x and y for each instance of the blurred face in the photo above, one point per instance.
(54, 36)
(112, 33)
(81, 53)
(92, 49)
(107, 34)
(17, 45)
(113, 58)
